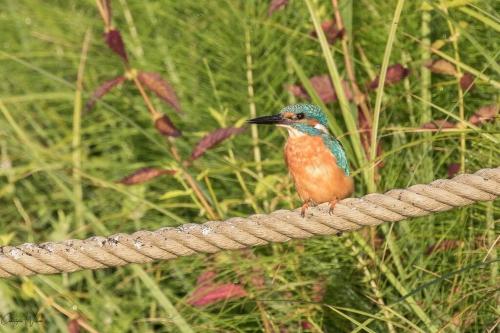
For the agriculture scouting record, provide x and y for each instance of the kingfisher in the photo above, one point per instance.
(315, 159)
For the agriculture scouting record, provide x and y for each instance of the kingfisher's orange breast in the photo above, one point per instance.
(314, 170)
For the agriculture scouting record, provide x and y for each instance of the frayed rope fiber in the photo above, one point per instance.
(237, 233)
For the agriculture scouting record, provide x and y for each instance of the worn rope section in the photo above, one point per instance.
(236, 233)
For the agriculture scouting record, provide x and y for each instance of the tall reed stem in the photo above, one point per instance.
(380, 89)
(76, 139)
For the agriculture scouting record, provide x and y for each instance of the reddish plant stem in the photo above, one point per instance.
(132, 75)
(187, 176)
(359, 97)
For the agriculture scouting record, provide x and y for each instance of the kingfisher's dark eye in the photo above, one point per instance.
(300, 116)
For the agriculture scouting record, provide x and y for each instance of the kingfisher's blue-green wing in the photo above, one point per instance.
(337, 151)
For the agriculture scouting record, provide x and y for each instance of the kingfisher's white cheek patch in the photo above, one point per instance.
(321, 128)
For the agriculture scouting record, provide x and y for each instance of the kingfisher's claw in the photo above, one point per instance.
(305, 205)
(332, 206)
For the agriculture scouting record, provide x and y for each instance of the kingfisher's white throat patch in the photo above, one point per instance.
(292, 132)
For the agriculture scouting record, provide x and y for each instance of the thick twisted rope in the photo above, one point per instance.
(236, 233)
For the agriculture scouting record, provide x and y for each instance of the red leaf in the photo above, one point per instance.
(298, 91)
(332, 33)
(441, 66)
(306, 325)
(453, 169)
(276, 5)
(73, 326)
(395, 73)
(102, 90)
(444, 245)
(210, 294)
(206, 277)
(467, 82)
(438, 124)
(323, 87)
(257, 278)
(484, 114)
(115, 42)
(165, 126)
(318, 290)
(212, 139)
(144, 175)
(161, 88)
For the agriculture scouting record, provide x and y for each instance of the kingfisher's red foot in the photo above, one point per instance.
(332, 206)
(305, 205)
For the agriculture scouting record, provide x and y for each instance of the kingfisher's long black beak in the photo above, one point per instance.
(267, 120)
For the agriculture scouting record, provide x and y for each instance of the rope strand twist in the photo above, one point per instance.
(237, 233)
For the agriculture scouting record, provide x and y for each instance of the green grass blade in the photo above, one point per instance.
(380, 88)
(167, 305)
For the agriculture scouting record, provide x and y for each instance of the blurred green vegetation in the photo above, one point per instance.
(206, 50)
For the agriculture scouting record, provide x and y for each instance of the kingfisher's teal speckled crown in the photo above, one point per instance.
(310, 111)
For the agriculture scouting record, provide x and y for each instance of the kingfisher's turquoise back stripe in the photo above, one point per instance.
(337, 150)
